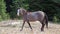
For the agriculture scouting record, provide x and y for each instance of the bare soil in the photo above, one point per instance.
(14, 26)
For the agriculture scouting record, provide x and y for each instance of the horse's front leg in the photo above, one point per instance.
(22, 25)
(42, 28)
(29, 25)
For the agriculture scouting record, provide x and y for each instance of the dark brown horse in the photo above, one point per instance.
(33, 16)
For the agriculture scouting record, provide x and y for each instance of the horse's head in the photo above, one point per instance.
(21, 11)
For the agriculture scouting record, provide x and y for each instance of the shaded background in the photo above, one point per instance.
(8, 8)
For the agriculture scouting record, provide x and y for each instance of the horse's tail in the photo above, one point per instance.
(46, 22)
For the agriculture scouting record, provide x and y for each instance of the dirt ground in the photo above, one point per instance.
(14, 26)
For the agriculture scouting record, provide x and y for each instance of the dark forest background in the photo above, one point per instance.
(8, 8)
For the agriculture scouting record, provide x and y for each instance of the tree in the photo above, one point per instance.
(3, 14)
(13, 5)
(50, 7)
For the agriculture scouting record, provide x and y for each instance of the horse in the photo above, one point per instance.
(33, 16)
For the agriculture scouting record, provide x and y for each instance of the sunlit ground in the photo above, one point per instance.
(14, 26)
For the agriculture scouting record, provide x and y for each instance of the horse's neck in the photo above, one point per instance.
(24, 16)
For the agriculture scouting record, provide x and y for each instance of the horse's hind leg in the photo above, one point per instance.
(42, 28)
(46, 21)
(29, 25)
(22, 25)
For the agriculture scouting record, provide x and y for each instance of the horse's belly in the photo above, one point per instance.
(32, 18)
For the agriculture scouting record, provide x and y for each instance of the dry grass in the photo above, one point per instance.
(14, 26)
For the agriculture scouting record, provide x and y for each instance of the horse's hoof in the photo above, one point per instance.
(47, 27)
(31, 29)
(42, 30)
(21, 30)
